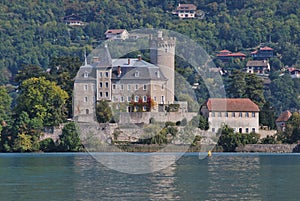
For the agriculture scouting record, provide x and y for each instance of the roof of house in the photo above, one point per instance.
(72, 17)
(227, 53)
(136, 69)
(115, 31)
(186, 7)
(265, 48)
(257, 63)
(231, 105)
(284, 116)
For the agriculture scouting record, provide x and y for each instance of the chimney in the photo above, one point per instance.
(140, 57)
(119, 71)
(128, 62)
(96, 59)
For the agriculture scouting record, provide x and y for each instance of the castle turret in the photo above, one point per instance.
(162, 54)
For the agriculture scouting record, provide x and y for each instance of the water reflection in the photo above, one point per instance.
(233, 178)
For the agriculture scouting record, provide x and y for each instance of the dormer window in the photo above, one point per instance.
(86, 75)
(157, 74)
(136, 74)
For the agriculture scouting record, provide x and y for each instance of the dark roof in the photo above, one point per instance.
(257, 63)
(104, 59)
(136, 70)
(284, 117)
(90, 70)
(186, 7)
(231, 105)
(115, 31)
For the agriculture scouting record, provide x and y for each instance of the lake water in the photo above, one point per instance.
(37, 177)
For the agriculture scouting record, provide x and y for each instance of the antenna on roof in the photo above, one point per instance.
(85, 59)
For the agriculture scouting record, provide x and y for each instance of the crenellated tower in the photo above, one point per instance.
(162, 54)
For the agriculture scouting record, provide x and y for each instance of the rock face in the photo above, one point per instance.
(275, 148)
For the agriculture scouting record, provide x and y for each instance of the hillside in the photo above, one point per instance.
(33, 32)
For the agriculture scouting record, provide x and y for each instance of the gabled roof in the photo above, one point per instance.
(105, 59)
(231, 105)
(257, 63)
(284, 117)
(186, 7)
(115, 31)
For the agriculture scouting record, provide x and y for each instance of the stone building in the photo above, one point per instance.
(126, 81)
(241, 114)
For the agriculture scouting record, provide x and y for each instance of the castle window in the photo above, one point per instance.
(162, 87)
(240, 114)
(85, 87)
(100, 84)
(128, 87)
(219, 114)
(87, 111)
(253, 114)
(122, 87)
(106, 94)
(247, 114)
(106, 74)
(253, 130)
(166, 50)
(247, 130)
(85, 99)
(163, 99)
(226, 114)
(136, 74)
(101, 94)
(114, 86)
(106, 84)
(145, 98)
(145, 87)
(154, 98)
(122, 99)
(136, 87)
(233, 114)
(213, 114)
(144, 108)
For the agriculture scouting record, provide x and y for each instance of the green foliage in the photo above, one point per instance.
(42, 99)
(103, 111)
(269, 140)
(172, 107)
(5, 106)
(69, 139)
(244, 85)
(200, 121)
(230, 140)
(23, 143)
(47, 145)
(267, 116)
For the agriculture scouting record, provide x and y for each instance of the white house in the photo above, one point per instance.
(241, 114)
(259, 67)
(116, 34)
(186, 11)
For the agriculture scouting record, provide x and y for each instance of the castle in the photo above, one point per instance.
(126, 81)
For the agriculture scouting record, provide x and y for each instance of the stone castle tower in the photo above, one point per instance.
(162, 54)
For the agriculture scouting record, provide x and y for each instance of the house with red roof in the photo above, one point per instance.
(241, 114)
(294, 72)
(116, 34)
(263, 53)
(282, 119)
(226, 55)
(185, 11)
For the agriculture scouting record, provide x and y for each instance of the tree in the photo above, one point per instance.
(267, 116)
(42, 99)
(103, 112)
(236, 84)
(23, 143)
(29, 71)
(228, 139)
(69, 139)
(254, 89)
(5, 107)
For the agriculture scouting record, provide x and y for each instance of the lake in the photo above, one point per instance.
(78, 176)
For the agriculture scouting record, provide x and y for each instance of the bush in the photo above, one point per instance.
(47, 145)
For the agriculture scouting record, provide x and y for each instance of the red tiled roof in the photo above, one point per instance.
(114, 31)
(266, 48)
(231, 105)
(186, 7)
(225, 51)
(284, 116)
(229, 54)
(254, 52)
(238, 54)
